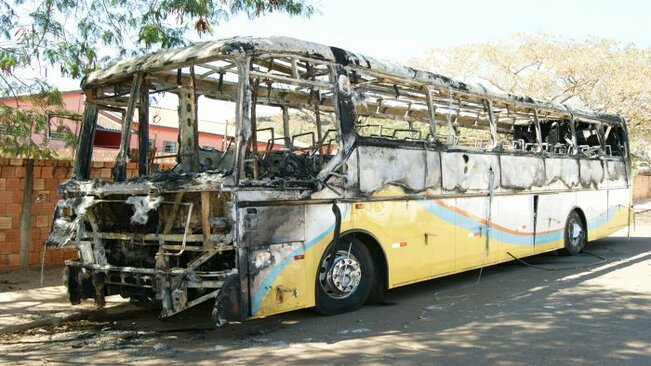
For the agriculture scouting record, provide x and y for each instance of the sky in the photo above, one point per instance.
(401, 30)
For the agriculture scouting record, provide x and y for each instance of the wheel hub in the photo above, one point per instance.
(576, 234)
(344, 275)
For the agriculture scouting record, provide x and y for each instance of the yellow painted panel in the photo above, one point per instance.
(421, 239)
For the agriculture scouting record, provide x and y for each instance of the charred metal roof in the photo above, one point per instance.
(208, 51)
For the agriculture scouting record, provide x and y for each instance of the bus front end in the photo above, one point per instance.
(170, 243)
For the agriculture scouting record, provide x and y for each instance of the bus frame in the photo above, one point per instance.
(465, 177)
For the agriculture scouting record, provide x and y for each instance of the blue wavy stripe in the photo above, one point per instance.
(276, 270)
(473, 225)
(603, 218)
(440, 211)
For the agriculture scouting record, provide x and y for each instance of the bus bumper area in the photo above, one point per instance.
(166, 289)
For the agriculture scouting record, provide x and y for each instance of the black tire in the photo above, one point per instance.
(575, 235)
(330, 299)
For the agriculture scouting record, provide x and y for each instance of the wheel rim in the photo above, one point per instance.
(344, 275)
(576, 234)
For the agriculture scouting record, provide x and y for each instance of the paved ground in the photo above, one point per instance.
(25, 302)
(643, 205)
(595, 312)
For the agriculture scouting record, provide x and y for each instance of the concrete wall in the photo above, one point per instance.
(46, 176)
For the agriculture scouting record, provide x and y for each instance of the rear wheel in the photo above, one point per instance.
(575, 235)
(345, 284)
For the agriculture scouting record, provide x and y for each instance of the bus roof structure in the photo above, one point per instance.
(205, 52)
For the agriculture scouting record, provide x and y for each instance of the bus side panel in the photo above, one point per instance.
(472, 250)
(551, 217)
(619, 195)
(561, 173)
(510, 230)
(593, 173)
(595, 207)
(275, 239)
(469, 172)
(417, 237)
(522, 172)
(616, 174)
(619, 201)
(512, 226)
(381, 167)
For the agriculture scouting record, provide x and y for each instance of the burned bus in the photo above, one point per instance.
(374, 176)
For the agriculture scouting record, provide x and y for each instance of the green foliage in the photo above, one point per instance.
(81, 35)
(19, 126)
(69, 137)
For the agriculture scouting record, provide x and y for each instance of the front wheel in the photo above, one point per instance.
(575, 235)
(344, 284)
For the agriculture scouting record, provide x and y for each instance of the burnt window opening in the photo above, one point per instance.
(473, 138)
(293, 127)
(615, 141)
(556, 136)
(390, 109)
(517, 129)
(403, 110)
(588, 138)
(523, 138)
(463, 123)
(188, 108)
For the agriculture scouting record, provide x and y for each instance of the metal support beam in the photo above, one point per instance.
(143, 131)
(432, 114)
(120, 167)
(539, 140)
(86, 138)
(188, 153)
(493, 124)
(286, 125)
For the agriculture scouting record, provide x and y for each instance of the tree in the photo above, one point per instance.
(79, 36)
(20, 125)
(596, 74)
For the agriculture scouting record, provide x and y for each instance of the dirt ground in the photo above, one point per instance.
(566, 310)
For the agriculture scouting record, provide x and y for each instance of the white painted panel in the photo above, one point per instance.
(552, 215)
(616, 174)
(618, 199)
(513, 224)
(592, 173)
(414, 170)
(595, 207)
(522, 172)
(561, 173)
(464, 171)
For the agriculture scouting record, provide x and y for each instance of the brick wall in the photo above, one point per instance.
(48, 174)
(641, 187)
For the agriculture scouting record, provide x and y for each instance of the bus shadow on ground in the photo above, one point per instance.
(513, 314)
